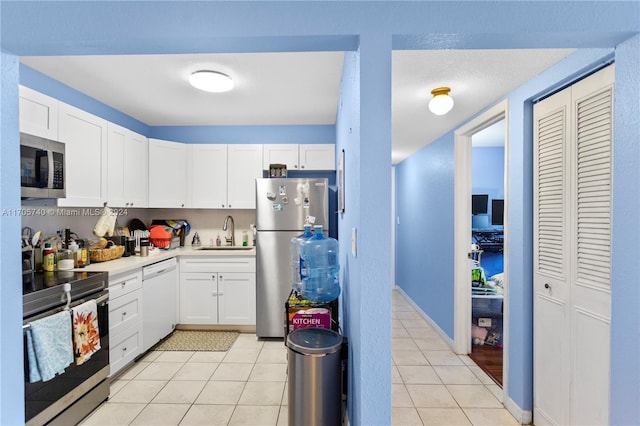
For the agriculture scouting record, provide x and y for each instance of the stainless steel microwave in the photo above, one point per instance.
(42, 167)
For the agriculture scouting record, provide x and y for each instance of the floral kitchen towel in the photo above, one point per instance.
(49, 348)
(86, 336)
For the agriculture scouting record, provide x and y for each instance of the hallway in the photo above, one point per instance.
(431, 385)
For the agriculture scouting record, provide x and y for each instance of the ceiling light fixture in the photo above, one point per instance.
(441, 103)
(211, 81)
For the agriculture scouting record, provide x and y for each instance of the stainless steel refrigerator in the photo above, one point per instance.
(282, 208)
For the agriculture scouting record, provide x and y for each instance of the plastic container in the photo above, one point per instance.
(296, 242)
(319, 268)
(245, 238)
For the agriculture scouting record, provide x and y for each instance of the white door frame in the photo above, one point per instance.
(462, 230)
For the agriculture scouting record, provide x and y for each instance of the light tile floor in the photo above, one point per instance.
(431, 385)
(247, 385)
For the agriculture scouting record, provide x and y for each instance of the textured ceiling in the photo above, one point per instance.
(297, 88)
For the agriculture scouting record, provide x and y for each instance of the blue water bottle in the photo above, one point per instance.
(320, 282)
(296, 278)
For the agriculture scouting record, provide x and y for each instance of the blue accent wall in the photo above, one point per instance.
(12, 383)
(424, 251)
(363, 129)
(487, 173)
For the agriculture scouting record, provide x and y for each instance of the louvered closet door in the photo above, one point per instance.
(551, 249)
(572, 291)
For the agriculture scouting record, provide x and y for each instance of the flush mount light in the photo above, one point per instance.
(441, 103)
(211, 81)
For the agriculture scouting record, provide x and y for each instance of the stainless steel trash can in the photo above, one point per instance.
(315, 392)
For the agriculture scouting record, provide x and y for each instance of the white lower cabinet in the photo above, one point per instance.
(218, 291)
(125, 319)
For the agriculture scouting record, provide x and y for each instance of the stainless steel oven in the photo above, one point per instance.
(68, 397)
(42, 167)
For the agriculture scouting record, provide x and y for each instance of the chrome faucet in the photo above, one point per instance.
(231, 240)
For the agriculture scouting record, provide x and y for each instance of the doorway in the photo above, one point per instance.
(463, 231)
(487, 249)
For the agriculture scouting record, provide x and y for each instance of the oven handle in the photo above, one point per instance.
(99, 300)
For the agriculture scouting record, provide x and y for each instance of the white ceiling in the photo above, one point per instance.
(297, 88)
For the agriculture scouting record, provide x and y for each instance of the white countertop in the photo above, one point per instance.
(126, 264)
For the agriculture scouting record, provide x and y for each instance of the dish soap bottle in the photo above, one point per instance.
(245, 238)
(218, 242)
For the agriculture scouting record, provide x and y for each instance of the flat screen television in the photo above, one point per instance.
(479, 203)
(497, 212)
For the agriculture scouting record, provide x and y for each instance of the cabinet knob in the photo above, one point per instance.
(302, 167)
(181, 205)
(130, 204)
(547, 286)
(124, 349)
(295, 166)
(229, 205)
(222, 205)
(220, 276)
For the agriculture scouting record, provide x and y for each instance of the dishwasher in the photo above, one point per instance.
(159, 301)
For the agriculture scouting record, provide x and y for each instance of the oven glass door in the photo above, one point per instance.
(39, 396)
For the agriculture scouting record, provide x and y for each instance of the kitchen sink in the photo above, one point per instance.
(225, 248)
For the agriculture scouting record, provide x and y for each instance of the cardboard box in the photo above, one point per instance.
(301, 313)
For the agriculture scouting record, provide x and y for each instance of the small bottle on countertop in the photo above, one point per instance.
(218, 241)
(73, 247)
(245, 238)
(48, 258)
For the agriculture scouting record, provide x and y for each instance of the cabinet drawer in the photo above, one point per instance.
(123, 284)
(124, 347)
(125, 311)
(218, 264)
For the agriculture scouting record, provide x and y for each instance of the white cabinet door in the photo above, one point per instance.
(245, 165)
(167, 173)
(208, 176)
(237, 298)
(127, 165)
(199, 298)
(85, 139)
(317, 157)
(280, 154)
(116, 141)
(38, 114)
(136, 170)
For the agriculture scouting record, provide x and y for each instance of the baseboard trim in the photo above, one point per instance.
(428, 319)
(524, 417)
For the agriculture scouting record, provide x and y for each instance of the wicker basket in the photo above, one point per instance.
(105, 254)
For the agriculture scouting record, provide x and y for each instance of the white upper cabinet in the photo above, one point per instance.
(85, 139)
(245, 166)
(300, 157)
(280, 154)
(38, 114)
(207, 171)
(317, 157)
(167, 174)
(127, 168)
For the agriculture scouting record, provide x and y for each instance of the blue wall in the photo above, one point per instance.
(424, 250)
(57, 28)
(487, 173)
